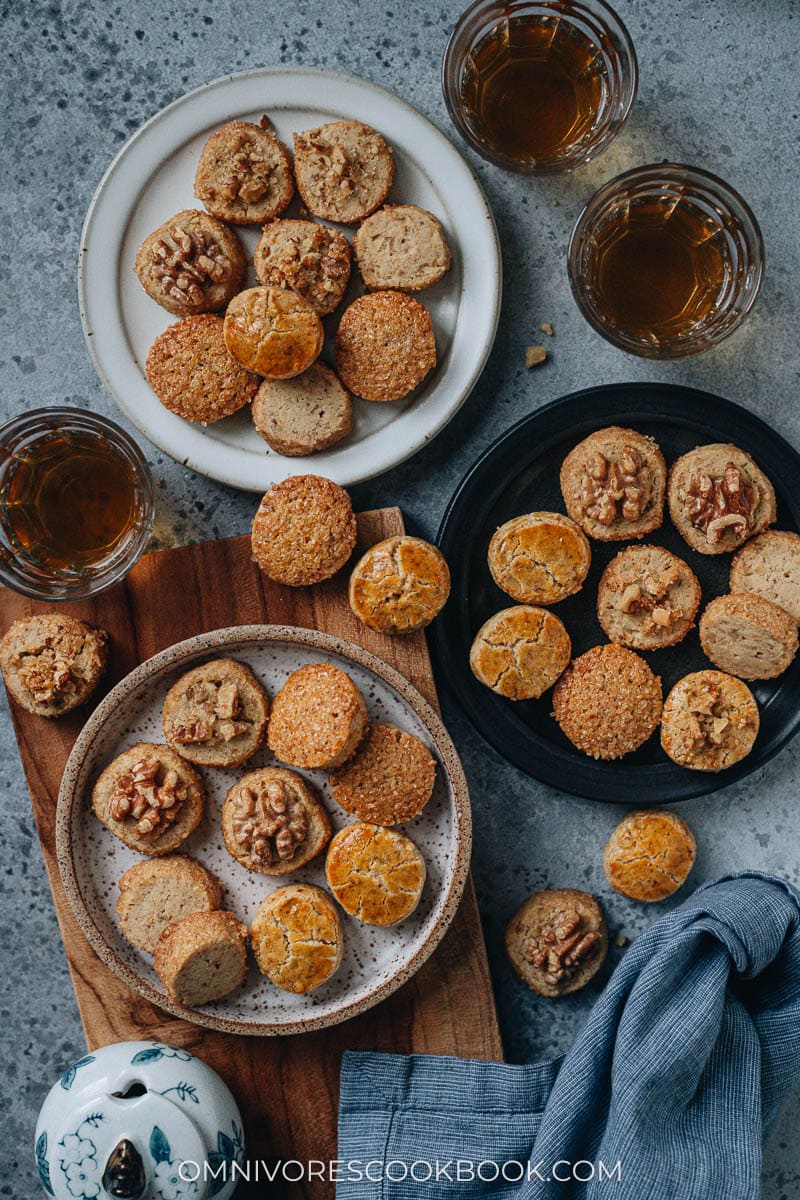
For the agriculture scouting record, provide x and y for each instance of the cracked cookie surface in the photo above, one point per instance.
(273, 821)
(613, 484)
(710, 721)
(297, 937)
(608, 702)
(344, 170)
(647, 598)
(52, 663)
(191, 264)
(649, 855)
(376, 874)
(273, 331)
(216, 714)
(388, 780)
(318, 718)
(150, 798)
(557, 940)
(244, 174)
(539, 558)
(520, 652)
(399, 585)
(769, 566)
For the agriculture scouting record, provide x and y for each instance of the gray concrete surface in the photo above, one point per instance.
(719, 87)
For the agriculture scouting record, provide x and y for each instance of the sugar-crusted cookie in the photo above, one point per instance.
(384, 346)
(719, 497)
(399, 585)
(297, 938)
(539, 558)
(158, 892)
(192, 373)
(318, 718)
(613, 484)
(649, 855)
(191, 264)
(520, 652)
(388, 780)
(216, 714)
(710, 721)
(376, 874)
(52, 663)
(647, 598)
(244, 174)
(769, 566)
(403, 247)
(557, 940)
(344, 170)
(273, 822)
(150, 798)
(608, 702)
(304, 530)
(308, 258)
(748, 636)
(202, 957)
(273, 332)
(305, 414)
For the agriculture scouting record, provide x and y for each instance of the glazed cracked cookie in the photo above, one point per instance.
(557, 941)
(157, 892)
(244, 174)
(308, 258)
(748, 636)
(399, 585)
(647, 598)
(388, 780)
(303, 415)
(297, 938)
(150, 798)
(304, 530)
(769, 566)
(539, 558)
(344, 170)
(273, 821)
(194, 376)
(191, 264)
(613, 484)
(318, 718)
(376, 874)
(710, 721)
(216, 714)
(649, 855)
(719, 498)
(608, 702)
(520, 652)
(52, 663)
(403, 247)
(273, 332)
(384, 346)
(202, 958)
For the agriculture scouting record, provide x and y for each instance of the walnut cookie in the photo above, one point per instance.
(344, 170)
(710, 721)
(192, 373)
(244, 174)
(308, 258)
(150, 798)
(539, 558)
(304, 530)
(608, 702)
(520, 652)
(384, 346)
(52, 663)
(216, 714)
(399, 585)
(557, 941)
(389, 779)
(191, 264)
(647, 598)
(273, 822)
(297, 938)
(748, 636)
(376, 874)
(769, 566)
(613, 484)
(273, 332)
(649, 855)
(719, 498)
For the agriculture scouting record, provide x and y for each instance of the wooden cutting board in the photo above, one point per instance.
(287, 1087)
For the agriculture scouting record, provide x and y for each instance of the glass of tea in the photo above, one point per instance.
(76, 503)
(666, 260)
(539, 87)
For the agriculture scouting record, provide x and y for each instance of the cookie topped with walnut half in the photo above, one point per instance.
(273, 821)
(719, 498)
(191, 264)
(244, 174)
(613, 484)
(557, 941)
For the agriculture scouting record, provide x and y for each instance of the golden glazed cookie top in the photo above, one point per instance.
(399, 585)
(649, 855)
(273, 331)
(376, 874)
(539, 557)
(297, 938)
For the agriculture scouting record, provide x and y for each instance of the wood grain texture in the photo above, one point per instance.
(287, 1087)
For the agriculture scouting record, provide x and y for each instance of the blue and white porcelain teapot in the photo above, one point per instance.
(139, 1121)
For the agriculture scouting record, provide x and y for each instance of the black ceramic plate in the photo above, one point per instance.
(519, 474)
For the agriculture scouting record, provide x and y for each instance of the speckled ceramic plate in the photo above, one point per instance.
(152, 177)
(376, 961)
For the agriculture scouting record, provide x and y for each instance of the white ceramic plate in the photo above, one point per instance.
(152, 177)
(376, 961)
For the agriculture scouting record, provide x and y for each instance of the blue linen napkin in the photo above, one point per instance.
(671, 1085)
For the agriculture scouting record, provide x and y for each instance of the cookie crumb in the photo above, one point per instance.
(547, 327)
(535, 355)
(620, 940)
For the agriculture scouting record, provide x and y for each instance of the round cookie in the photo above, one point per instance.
(191, 264)
(273, 332)
(244, 174)
(388, 780)
(608, 702)
(273, 822)
(399, 585)
(557, 941)
(297, 938)
(719, 498)
(305, 414)
(150, 798)
(216, 714)
(649, 855)
(384, 346)
(748, 636)
(202, 958)
(52, 663)
(308, 258)
(403, 247)
(318, 718)
(344, 170)
(520, 652)
(647, 598)
(710, 721)
(539, 558)
(192, 373)
(769, 566)
(158, 892)
(613, 484)
(376, 874)
(304, 530)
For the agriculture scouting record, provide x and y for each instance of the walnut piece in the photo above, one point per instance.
(561, 946)
(613, 491)
(269, 823)
(210, 715)
(184, 262)
(140, 797)
(707, 723)
(648, 594)
(714, 505)
(45, 678)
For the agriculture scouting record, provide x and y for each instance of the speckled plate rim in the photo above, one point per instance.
(474, 231)
(72, 793)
